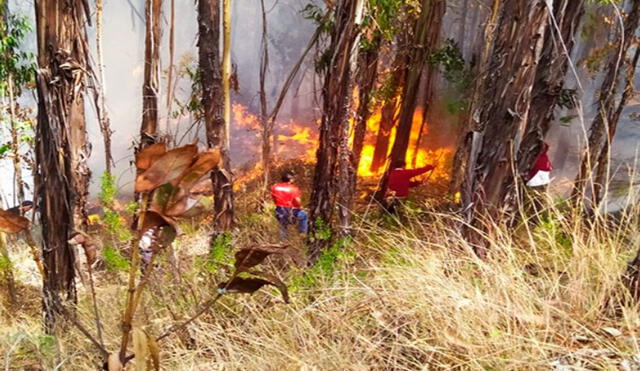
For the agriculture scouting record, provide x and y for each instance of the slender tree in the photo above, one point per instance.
(603, 127)
(213, 106)
(548, 86)
(150, 85)
(62, 176)
(334, 126)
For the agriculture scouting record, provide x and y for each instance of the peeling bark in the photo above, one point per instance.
(149, 126)
(331, 170)
(62, 176)
(504, 106)
(213, 106)
(604, 124)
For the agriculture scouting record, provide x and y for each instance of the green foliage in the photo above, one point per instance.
(5, 264)
(449, 58)
(112, 220)
(4, 149)
(339, 254)
(18, 64)
(452, 64)
(108, 189)
(321, 230)
(317, 14)
(382, 21)
(114, 259)
(220, 252)
(193, 104)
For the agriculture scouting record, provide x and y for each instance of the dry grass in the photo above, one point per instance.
(398, 298)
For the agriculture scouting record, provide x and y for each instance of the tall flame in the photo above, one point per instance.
(294, 140)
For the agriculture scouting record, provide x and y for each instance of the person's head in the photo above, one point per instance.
(26, 205)
(400, 164)
(288, 176)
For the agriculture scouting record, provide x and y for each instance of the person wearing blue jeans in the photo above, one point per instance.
(286, 196)
(289, 215)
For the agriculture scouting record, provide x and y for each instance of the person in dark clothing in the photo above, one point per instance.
(23, 208)
(286, 196)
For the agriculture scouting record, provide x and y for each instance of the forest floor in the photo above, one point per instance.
(403, 295)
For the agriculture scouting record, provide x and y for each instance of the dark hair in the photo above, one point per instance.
(400, 163)
(27, 203)
(287, 176)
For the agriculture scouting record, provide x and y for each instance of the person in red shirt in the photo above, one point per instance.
(400, 179)
(286, 196)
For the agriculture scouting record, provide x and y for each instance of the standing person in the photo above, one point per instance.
(286, 196)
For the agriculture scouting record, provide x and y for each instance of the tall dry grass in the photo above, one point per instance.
(405, 295)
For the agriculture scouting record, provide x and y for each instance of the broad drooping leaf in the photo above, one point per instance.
(167, 169)
(149, 155)
(160, 198)
(12, 223)
(181, 199)
(194, 207)
(243, 285)
(277, 282)
(204, 163)
(250, 257)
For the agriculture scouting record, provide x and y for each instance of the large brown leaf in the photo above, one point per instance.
(204, 163)
(167, 169)
(243, 285)
(149, 155)
(250, 257)
(12, 223)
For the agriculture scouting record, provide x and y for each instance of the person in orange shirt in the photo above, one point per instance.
(286, 196)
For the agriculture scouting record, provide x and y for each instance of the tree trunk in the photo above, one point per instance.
(426, 35)
(149, 127)
(388, 114)
(61, 180)
(504, 105)
(368, 68)
(602, 170)
(605, 122)
(15, 145)
(213, 106)
(100, 92)
(549, 80)
(463, 168)
(264, 114)
(334, 125)
(462, 31)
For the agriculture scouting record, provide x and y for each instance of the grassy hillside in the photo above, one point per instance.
(404, 295)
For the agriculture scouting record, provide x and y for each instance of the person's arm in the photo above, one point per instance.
(419, 171)
(297, 199)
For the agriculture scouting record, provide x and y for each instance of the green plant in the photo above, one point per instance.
(114, 259)
(220, 252)
(14, 62)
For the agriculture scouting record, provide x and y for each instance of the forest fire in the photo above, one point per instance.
(293, 140)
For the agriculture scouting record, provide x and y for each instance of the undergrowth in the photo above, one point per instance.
(405, 296)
